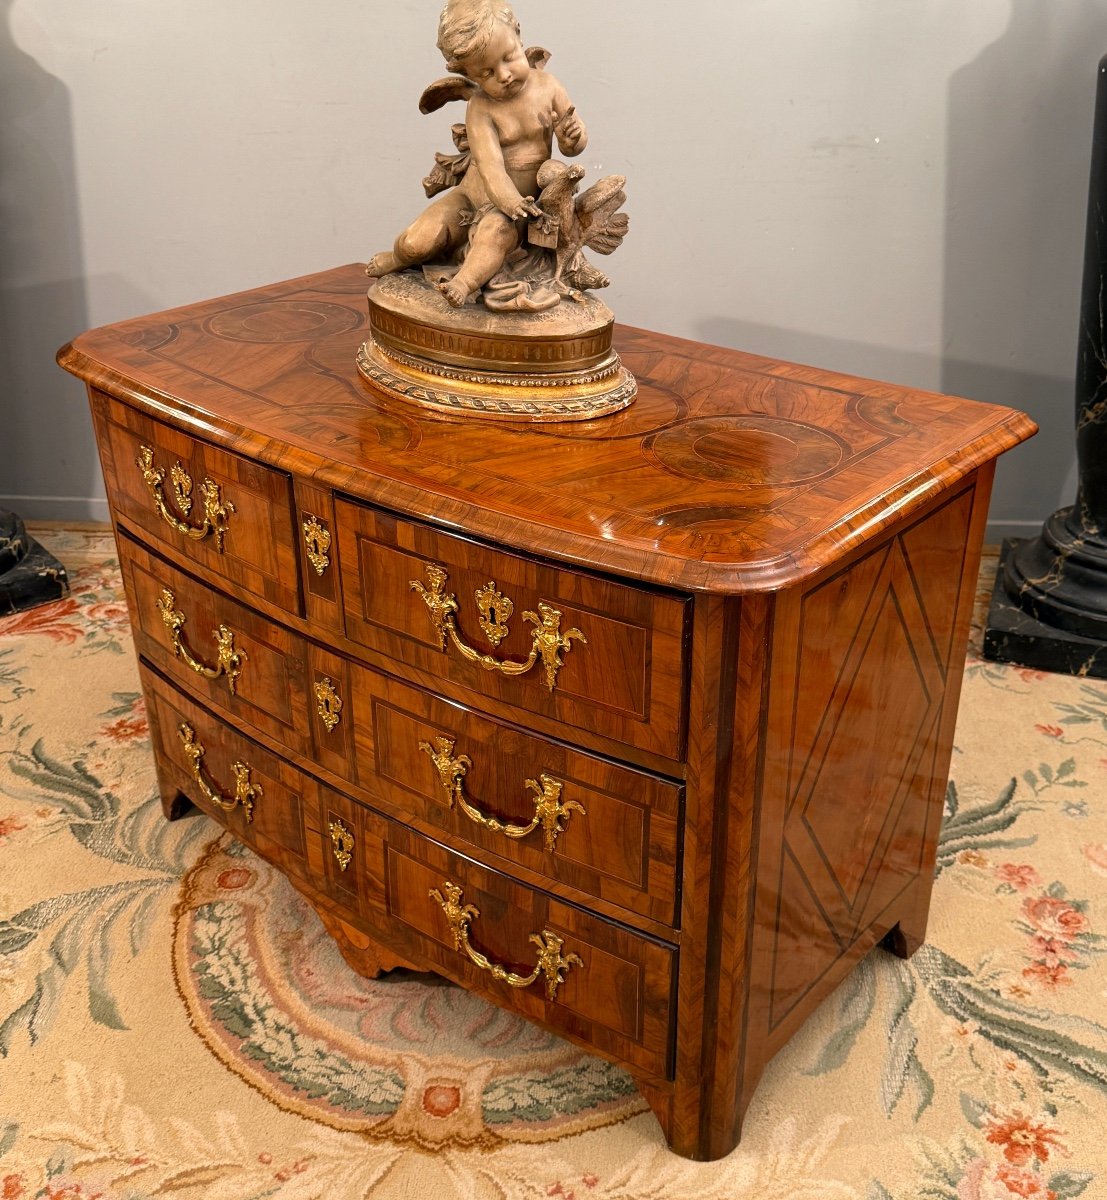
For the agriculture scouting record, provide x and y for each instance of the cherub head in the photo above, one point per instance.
(480, 40)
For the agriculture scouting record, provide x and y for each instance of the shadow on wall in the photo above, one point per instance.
(44, 429)
(1019, 142)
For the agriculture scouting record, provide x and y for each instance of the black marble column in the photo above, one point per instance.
(1049, 608)
(29, 573)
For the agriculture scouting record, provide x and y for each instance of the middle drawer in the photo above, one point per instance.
(607, 829)
(603, 828)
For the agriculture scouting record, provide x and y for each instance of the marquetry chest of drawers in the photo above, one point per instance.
(639, 727)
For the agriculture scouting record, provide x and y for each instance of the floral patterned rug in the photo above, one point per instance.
(174, 1020)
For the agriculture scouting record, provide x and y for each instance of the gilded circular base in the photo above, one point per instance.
(580, 395)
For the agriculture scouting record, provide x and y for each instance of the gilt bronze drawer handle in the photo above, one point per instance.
(328, 703)
(548, 641)
(317, 541)
(548, 808)
(217, 512)
(246, 793)
(230, 657)
(551, 962)
(342, 843)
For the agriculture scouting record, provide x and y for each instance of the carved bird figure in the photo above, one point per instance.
(570, 223)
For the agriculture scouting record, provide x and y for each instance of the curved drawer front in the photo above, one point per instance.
(227, 513)
(609, 830)
(257, 796)
(592, 653)
(597, 982)
(224, 653)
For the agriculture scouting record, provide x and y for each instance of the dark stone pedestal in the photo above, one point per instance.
(1014, 636)
(29, 574)
(1049, 608)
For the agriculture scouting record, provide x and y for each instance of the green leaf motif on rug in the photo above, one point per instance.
(982, 827)
(228, 982)
(1066, 1184)
(855, 1008)
(1055, 1046)
(573, 1089)
(11, 687)
(81, 926)
(1092, 710)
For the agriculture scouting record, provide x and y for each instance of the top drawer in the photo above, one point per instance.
(598, 655)
(226, 513)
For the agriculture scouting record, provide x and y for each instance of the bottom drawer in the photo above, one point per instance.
(597, 982)
(257, 796)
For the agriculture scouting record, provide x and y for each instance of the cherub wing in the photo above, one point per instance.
(537, 57)
(442, 91)
(598, 209)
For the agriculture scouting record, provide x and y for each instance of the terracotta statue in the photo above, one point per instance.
(483, 307)
(510, 228)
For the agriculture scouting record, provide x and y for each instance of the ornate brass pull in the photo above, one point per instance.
(328, 703)
(216, 511)
(317, 541)
(548, 808)
(230, 658)
(551, 962)
(342, 842)
(548, 640)
(246, 793)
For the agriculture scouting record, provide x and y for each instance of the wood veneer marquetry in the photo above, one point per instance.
(623, 677)
(772, 565)
(638, 869)
(271, 682)
(767, 504)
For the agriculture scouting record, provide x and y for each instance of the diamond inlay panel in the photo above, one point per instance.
(869, 650)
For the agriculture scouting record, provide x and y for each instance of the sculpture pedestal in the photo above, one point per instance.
(29, 574)
(548, 366)
(1049, 609)
(1013, 635)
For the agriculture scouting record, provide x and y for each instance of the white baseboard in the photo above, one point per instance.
(58, 508)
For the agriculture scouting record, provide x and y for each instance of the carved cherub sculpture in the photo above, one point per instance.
(493, 233)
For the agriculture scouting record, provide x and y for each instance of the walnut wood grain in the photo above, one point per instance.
(271, 691)
(430, 681)
(730, 471)
(375, 745)
(314, 515)
(618, 1003)
(773, 566)
(623, 847)
(258, 548)
(624, 677)
(867, 656)
(277, 831)
(368, 958)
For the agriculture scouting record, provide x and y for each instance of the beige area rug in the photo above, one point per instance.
(174, 1021)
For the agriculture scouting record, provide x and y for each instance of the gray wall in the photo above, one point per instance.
(894, 188)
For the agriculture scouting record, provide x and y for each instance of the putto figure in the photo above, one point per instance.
(495, 235)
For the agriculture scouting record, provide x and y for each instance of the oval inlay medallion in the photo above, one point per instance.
(748, 451)
(283, 321)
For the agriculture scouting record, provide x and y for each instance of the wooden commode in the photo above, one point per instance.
(639, 726)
